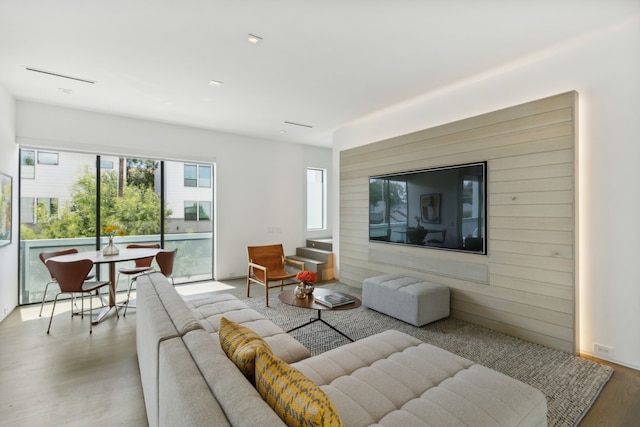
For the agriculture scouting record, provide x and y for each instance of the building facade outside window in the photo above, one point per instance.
(27, 210)
(47, 158)
(197, 211)
(27, 164)
(58, 210)
(197, 175)
(204, 176)
(190, 175)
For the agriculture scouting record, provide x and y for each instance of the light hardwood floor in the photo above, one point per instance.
(72, 378)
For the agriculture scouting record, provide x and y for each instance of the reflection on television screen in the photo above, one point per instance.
(441, 208)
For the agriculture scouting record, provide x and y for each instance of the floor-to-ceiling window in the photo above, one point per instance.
(189, 194)
(67, 199)
(57, 211)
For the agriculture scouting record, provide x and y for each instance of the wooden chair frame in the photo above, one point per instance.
(258, 271)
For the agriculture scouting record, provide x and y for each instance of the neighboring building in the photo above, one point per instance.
(47, 178)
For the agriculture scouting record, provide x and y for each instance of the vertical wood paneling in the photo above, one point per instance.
(526, 285)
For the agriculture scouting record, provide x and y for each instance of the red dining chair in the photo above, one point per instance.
(142, 265)
(44, 256)
(71, 279)
(165, 260)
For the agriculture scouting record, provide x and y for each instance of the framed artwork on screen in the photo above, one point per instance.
(430, 207)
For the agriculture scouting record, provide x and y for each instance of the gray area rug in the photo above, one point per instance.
(570, 383)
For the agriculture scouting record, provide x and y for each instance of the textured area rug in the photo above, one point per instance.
(570, 383)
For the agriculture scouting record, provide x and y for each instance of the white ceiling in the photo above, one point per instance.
(322, 63)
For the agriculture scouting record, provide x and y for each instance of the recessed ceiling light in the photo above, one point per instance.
(215, 83)
(65, 90)
(253, 39)
(283, 131)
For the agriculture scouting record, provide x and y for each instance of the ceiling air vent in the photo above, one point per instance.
(35, 70)
(298, 124)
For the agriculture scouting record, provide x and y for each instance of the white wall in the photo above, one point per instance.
(9, 166)
(260, 192)
(604, 68)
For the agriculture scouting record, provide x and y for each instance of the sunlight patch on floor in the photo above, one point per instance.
(202, 287)
(30, 312)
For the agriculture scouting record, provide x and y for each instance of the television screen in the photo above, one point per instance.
(442, 208)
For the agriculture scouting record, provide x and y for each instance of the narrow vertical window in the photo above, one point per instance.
(27, 210)
(46, 207)
(190, 175)
(204, 176)
(190, 211)
(27, 164)
(204, 211)
(316, 198)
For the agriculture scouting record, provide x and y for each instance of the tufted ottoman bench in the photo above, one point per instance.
(406, 298)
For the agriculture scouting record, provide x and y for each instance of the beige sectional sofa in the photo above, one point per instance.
(389, 379)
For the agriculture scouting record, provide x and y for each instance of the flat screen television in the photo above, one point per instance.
(440, 208)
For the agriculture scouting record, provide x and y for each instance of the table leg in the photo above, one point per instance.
(112, 279)
(320, 319)
(105, 310)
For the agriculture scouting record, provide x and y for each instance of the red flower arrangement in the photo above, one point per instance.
(307, 277)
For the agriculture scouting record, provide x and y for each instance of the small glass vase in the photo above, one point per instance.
(110, 249)
(300, 292)
(308, 288)
(303, 290)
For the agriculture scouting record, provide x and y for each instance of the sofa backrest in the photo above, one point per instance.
(184, 397)
(161, 315)
(209, 308)
(177, 310)
(239, 400)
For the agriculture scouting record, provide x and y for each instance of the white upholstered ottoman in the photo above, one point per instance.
(406, 298)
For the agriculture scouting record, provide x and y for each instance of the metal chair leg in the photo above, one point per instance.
(90, 313)
(44, 297)
(112, 292)
(128, 296)
(52, 311)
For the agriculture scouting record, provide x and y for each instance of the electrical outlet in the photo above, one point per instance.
(603, 350)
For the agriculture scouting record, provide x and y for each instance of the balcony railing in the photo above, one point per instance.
(194, 261)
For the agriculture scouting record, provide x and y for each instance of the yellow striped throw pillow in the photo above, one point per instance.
(240, 344)
(296, 399)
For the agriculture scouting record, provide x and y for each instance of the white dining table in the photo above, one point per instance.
(98, 258)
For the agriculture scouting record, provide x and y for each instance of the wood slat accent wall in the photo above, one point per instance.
(526, 285)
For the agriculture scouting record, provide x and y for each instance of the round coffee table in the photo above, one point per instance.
(289, 297)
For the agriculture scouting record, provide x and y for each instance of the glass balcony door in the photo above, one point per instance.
(71, 201)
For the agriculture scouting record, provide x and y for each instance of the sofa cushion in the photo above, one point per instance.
(210, 307)
(391, 379)
(240, 345)
(294, 397)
